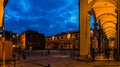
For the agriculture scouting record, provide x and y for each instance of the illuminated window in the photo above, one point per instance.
(13, 36)
(53, 38)
(68, 35)
(0, 35)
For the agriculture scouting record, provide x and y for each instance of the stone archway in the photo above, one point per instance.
(105, 12)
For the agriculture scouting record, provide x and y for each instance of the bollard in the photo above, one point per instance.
(48, 65)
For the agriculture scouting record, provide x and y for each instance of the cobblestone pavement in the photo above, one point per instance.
(58, 60)
(94, 64)
(42, 61)
(62, 61)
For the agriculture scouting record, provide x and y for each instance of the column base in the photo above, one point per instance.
(83, 58)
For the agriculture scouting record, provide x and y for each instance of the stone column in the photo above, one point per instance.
(84, 31)
(118, 29)
(1, 13)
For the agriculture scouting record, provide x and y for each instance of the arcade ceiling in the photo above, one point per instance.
(105, 11)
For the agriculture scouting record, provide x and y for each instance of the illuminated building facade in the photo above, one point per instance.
(10, 36)
(32, 40)
(65, 40)
(7, 43)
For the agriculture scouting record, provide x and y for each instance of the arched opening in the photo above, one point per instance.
(103, 20)
(104, 26)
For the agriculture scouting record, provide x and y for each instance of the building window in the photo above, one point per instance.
(76, 36)
(68, 35)
(61, 37)
(58, 38)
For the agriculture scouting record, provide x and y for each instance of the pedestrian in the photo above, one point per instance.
(48, 51)
(93, 54)
(24, 55)
(18, 56)
(115, 54)
(93, 50)
(14, 56)
(108, 54)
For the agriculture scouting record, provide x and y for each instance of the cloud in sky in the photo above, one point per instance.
(45, 16)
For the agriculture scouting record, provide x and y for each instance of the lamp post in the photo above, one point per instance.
(3, 44)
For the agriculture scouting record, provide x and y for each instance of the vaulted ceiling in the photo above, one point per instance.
(105, 12)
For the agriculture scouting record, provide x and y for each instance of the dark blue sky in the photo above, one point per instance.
(45, 16)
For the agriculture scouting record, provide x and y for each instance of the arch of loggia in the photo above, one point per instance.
(107, 13)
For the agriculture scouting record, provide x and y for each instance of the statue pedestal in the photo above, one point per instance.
(111, 55)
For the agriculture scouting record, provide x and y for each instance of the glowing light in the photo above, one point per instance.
(53, 38)
(68, 35)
